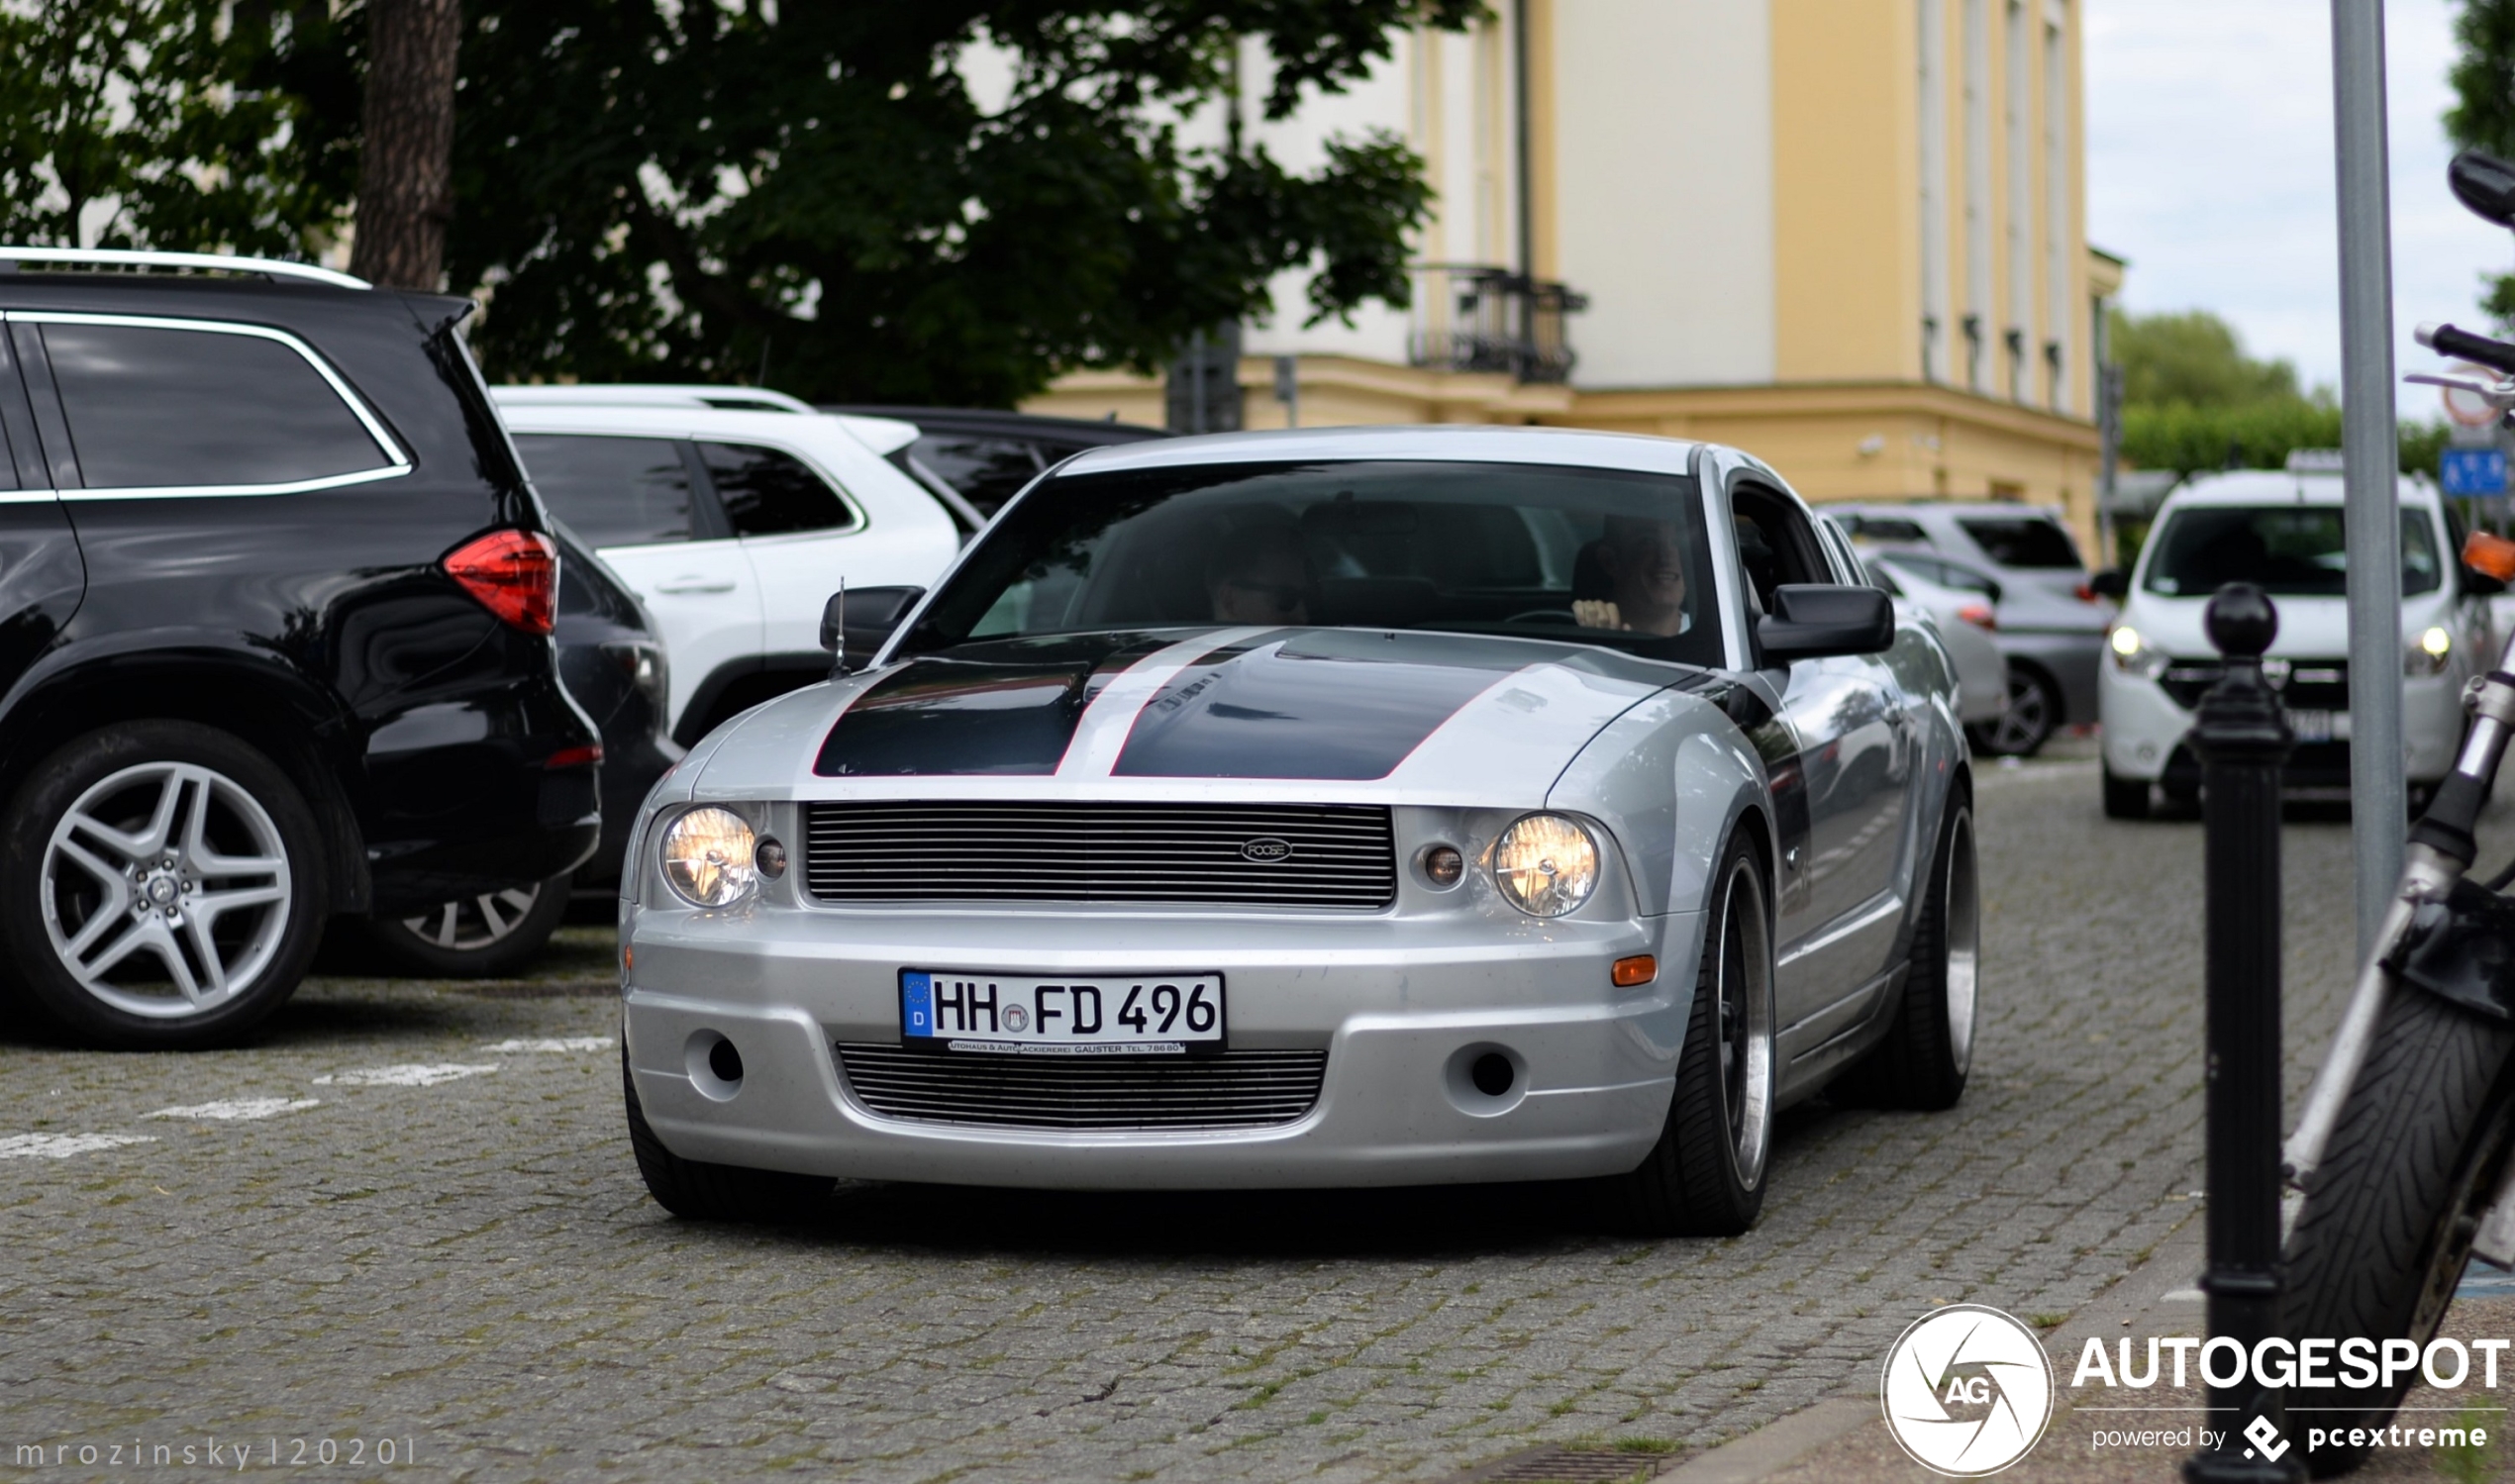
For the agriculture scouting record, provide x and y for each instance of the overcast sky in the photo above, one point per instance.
(2209, 165)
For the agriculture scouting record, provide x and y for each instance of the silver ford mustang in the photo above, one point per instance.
(1354, 807)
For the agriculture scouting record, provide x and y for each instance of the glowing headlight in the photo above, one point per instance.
(1546, 864)
(2132, 655)
(707, 857)
(2429, 656)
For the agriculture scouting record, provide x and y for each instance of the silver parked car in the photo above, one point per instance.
(2051, 621)
(1352, 807)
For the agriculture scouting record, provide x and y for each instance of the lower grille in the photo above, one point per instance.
(2309, 684)
(1235, 1090)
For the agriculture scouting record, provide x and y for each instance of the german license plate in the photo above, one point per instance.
(2311, 726)
(1128, 1014)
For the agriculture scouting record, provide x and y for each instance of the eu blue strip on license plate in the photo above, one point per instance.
(1104, 1014)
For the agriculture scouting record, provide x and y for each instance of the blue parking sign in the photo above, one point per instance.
(2473, 471)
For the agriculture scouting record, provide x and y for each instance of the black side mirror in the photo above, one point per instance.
(2112, 582)
(2485, 183)
(2482, 584)
(1816, 621)
(856, 623)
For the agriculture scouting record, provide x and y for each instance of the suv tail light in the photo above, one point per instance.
(514, 575)
(1980, 616)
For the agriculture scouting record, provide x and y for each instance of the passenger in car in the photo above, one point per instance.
(1643, 564)
(1261, 576)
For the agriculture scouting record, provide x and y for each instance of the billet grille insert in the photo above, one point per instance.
(1237, 1089)
(1270, 854)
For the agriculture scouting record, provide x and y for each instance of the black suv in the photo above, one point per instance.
(275, 613)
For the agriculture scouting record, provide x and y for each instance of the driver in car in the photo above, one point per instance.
(1645, 567)
(1261, 576)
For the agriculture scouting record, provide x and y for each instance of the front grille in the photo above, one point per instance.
(2312, 684)
(1334, 855)
(1233, 1090)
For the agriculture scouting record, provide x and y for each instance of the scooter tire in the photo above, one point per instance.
(2388, 1218)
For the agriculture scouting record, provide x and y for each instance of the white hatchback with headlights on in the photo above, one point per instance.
(1333, 806)
(2282, 531)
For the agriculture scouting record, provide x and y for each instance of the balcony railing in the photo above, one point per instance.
(1471, 316)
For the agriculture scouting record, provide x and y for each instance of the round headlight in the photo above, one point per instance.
(707, 857)
(2429, 657)
(2126, 641)
(1546, 864)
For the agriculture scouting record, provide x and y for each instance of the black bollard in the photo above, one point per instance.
(2243, 739)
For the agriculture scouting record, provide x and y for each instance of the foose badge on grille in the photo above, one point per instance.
(1266, 850)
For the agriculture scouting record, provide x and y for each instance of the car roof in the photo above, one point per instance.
(653, 394)
(1955, 509)
(2280, 487)
(1469, 442)
(600, 414)
(1006, 422)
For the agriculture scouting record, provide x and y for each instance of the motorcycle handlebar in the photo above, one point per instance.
(2447, 339)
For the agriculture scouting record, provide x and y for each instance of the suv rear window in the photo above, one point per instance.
(151, 407)
(614, 491)
(2026, 542)
(986, 470)
(1877, 528)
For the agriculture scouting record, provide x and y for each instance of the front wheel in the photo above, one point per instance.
(697, 1191)
(171, 893)
(1705, 1177)
(2388, 1215)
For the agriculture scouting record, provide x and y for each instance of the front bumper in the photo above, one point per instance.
(1399, 1007)
(2145, 730)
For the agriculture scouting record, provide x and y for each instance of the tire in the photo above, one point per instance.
(2125, 798)
(2386, 1225)
(474, 938)
(176, 890)
(696, 1191)
(1928, 1053)
(1705, 1176)
(2034, 710)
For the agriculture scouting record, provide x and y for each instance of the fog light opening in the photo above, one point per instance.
(1492, 1074)
(714, 1064)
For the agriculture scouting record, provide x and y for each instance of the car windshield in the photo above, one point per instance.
(2296, 550)
(1592, 555)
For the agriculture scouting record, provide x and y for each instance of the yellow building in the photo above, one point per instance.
(1846, 235)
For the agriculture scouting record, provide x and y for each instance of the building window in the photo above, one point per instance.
(2059, 238)
(1977, 183)
(2018, 117)
(1933, 188)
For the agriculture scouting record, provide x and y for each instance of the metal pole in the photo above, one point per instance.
(2379, 792)
(2243, 739)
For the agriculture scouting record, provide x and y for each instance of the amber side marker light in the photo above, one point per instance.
(1641, 968)
(2492, 555)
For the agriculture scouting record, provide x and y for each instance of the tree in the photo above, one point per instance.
(2193, 358)
(951, 201)
(170, 123)
(405, 168)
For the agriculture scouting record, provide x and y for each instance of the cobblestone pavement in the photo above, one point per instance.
(410, 1214)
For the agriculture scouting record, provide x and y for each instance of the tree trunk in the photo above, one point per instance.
(406, 161)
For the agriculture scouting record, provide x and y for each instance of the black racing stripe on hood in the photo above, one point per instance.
(1002, 709)
(1330, 704)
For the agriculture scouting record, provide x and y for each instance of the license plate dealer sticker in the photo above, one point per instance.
(1133, 1015)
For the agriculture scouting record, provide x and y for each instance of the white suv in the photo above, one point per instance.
(733, 515)
(2284, 532)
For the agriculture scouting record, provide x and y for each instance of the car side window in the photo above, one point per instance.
(153, 408)
(986, 470)
(766, 492)
(1775, 544)
(614, 491)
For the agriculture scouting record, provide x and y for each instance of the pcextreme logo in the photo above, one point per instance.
(1967, 1391)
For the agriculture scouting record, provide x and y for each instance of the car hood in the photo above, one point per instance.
(2310, 627)
(1315, 714)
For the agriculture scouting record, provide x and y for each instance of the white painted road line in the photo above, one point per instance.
(550, 1044)
(64, 1146)
(240, 1109)
(410, 1074)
